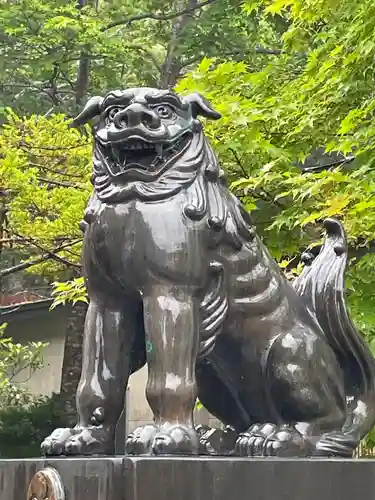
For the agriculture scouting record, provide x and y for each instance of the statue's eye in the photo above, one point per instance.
(164, 111)
(112, 112)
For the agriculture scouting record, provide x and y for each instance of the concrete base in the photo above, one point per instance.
(195, 478)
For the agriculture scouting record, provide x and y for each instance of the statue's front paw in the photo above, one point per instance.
(91, 441)
(269, 440)
(139, 442)
(286, 441)
(175, 440)
(216, 442)
(251, 443)
(54, 445)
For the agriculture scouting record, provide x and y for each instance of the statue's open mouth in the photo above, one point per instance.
(137, 153)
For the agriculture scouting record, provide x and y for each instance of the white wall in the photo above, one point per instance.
(45, 327)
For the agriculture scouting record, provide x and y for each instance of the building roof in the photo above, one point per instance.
(24, 310)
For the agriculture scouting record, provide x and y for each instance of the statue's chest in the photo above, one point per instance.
(138, 241)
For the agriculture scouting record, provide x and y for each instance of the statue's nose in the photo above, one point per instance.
(134, 115)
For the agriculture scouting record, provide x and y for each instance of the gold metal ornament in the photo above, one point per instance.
(46, 485)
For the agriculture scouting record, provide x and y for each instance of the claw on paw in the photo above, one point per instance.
(251, 443)
(54, 445)
(91, 441)
(139, 442)
(78, 441)
(269, 440)
(175, 439)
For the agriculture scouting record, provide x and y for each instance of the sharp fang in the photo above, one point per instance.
(115, 154)
(159, 149)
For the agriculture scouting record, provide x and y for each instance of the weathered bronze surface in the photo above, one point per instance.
(177, 277)
(46, 485)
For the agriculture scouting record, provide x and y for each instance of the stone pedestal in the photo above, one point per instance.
(192, 479)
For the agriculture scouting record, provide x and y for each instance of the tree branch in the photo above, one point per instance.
(24, 144)
(357, 252)
(13, 240)
(60, 183)
(48, 91)
(319, 168)
(268, 52)
(259, 193)
(38, 260)
(47, 251)
(239, 54)
(157, 17)
(150, 55)
(53, 171)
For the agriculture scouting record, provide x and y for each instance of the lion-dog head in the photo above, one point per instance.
(145, 141)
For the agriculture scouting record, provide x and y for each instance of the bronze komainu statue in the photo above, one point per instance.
(178, 278)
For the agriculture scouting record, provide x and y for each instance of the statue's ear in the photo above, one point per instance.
(91, 109)
(201, 107)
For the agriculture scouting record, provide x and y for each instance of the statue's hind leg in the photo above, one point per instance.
(219, 394)
(306, 398)
(107, 358)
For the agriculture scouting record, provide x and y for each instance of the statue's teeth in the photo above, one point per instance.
(115, 154)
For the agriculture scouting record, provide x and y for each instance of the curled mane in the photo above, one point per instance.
(209, 197)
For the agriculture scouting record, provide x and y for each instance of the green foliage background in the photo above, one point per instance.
(293, 80)
(23, 428)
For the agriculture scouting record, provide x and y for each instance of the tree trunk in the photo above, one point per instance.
(72, 363)
(83, 73)
(82, 81)
(172, 65)
(3, 212)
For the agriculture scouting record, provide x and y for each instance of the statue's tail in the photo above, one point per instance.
(321, 285)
